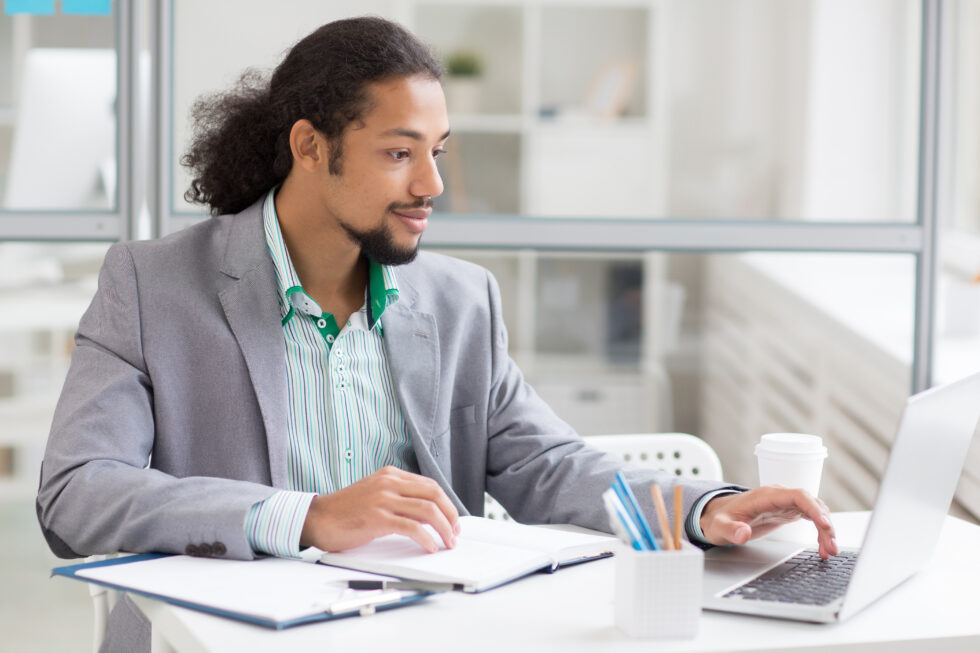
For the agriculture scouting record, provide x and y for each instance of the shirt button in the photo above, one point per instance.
(349, 455)
(329, 338)
(321, 323)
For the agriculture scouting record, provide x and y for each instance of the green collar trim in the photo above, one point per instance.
(325, 323)
(378, 292)
(381, 291)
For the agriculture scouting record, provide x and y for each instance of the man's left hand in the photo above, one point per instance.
(738, 518)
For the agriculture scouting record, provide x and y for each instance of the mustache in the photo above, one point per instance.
(421, 203)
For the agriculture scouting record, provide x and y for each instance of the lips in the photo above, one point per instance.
(415, 214)
(415, 220)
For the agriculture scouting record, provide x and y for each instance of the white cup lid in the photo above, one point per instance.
(791, 444)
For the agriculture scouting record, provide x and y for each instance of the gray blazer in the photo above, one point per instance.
(172, 421)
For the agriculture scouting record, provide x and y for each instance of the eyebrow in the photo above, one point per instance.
(409, 133)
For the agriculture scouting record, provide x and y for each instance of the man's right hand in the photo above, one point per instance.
(389, 501)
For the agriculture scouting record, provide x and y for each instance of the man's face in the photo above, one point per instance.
(383, 197)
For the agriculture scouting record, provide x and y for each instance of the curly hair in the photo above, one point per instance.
(240, 147)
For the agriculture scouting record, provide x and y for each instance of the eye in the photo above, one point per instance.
(399, 155)
(437, 153)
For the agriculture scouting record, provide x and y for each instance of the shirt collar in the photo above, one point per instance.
(382, 288)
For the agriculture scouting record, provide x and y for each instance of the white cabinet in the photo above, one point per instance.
(589, 331)
(569, 114)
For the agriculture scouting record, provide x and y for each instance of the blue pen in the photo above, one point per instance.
(629, 513)
(621, 523)
(629, 499)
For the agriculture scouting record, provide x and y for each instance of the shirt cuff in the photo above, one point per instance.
(274, 526)
(693, 525)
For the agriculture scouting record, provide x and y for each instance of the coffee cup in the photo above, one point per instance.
(793, 460)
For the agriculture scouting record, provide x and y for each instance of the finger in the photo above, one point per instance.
(809, 507)
(414, 530)
(423, 487)
(827, 544)
(424, 511)
(815, 510)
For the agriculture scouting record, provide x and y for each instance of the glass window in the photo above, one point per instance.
(724, 346)
(957, 310)
(965, 94)
(44, 289)
(58, 122)
(257, 38)
(752, 109)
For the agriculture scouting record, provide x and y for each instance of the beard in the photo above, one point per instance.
(379, 244)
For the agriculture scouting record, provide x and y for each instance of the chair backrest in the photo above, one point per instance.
(679, 453)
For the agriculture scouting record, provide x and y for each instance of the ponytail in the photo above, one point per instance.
(233, 154)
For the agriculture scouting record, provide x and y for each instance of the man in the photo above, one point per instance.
(293, 373)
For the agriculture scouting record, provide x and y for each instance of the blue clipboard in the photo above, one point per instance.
(377, 602)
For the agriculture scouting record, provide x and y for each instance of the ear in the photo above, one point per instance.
(308, 145)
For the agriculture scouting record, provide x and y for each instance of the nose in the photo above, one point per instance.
(428, 181)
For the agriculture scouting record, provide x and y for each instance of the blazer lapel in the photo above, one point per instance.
(251, 306)
(412, 344)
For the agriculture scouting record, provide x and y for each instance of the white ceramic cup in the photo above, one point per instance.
(792, 460)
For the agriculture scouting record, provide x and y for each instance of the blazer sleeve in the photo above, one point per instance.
(98, 492)
(538, 468)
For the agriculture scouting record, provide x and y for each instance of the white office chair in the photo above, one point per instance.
(679, 453)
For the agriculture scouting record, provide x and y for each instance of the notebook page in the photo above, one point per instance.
(473, 563)
(560, 545)
(270, 588)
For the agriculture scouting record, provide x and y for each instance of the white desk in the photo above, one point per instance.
(572, 610)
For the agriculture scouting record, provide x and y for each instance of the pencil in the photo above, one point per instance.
(678, 509)
(658, 503)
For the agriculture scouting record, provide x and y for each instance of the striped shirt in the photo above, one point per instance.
(344, 421)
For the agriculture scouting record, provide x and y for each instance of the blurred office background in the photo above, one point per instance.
(721, 217)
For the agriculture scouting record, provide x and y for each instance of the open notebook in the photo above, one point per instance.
(488, 553)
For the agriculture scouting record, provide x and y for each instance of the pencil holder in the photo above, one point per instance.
(658, 593)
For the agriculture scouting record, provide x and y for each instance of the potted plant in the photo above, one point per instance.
(464, 70)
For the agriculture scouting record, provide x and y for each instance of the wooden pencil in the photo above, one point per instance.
(678, 509)
(661, 507)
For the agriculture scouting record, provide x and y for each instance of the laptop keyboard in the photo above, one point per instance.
(804, 578)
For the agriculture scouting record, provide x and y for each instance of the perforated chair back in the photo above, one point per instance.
(681, 454)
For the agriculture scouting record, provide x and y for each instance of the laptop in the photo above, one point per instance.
(764, 578)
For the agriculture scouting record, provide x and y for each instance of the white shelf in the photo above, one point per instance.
(598, 66)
